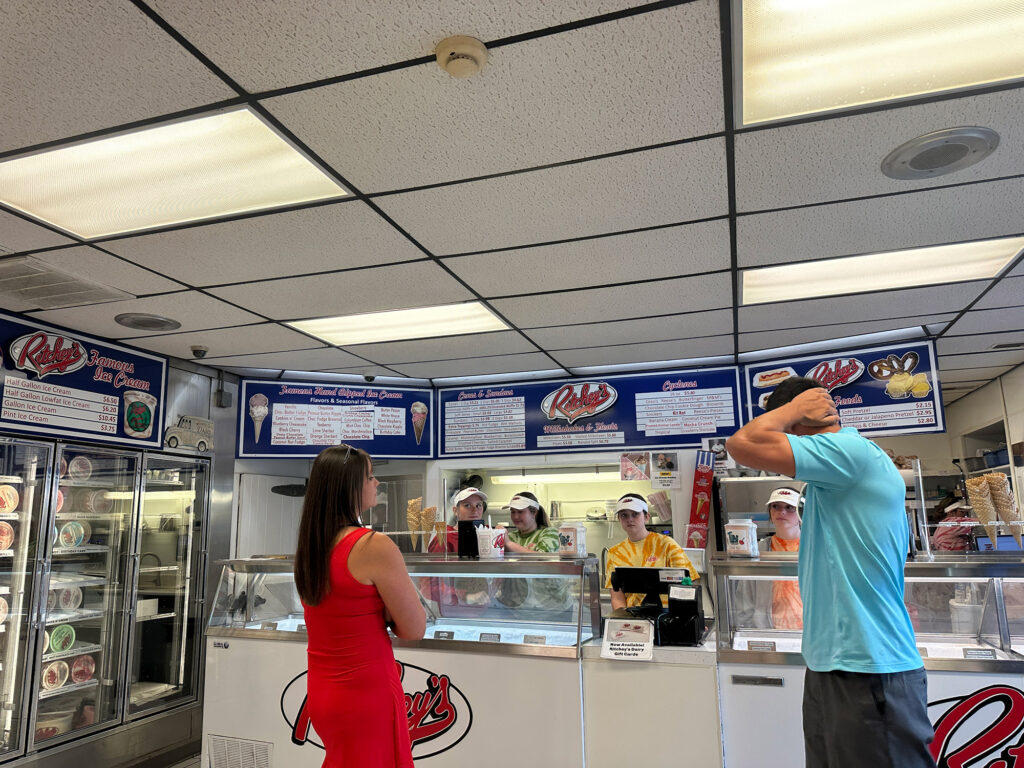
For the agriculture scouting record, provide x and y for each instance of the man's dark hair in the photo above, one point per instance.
(789, 389)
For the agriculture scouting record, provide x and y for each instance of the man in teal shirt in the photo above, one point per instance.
(865, 691)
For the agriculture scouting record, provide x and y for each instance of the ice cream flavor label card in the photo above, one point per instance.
(67, 384)
(299, 419)
(888, 390)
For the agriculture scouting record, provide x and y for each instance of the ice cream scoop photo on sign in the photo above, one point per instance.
(419, 419)
(257, 412)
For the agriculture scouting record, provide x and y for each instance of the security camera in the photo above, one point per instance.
(199, 351)
(369, 379)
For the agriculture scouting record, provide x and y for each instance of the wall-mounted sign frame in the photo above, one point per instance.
(298, 419)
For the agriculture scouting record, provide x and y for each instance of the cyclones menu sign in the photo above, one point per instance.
(73, 386)
(438, 713)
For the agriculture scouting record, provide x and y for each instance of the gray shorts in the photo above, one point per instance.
(855, 720)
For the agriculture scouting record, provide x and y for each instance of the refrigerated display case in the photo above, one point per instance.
(79, 668)
(24, 484)
(169, 564)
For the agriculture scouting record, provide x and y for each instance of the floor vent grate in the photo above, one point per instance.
(228, 752)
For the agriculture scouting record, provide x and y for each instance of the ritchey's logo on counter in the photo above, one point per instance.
(43, 353)
(577, 401)
(438, 713)
(984, 729)
(836, 373)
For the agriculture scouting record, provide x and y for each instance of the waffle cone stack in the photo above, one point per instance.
(1004, 503)
(419, 519)
(980, 496)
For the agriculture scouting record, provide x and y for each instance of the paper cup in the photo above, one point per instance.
(491, 543)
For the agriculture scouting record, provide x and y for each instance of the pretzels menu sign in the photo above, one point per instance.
(887, 390)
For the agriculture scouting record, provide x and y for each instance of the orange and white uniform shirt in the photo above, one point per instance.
(655, 551)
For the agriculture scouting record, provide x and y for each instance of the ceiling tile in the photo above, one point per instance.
(537, 102)
(1017, 271)
(99, 267)
(927, 217)
(841, 157)
(69, 83)
(532, 361)
(422, 350)
(851, 309)
(972, 374)
(307, 241)
(623, 301)
(988, 321)
(275, 43)
(665, 328)
(364, 370)
(302, 359)
(663, 186)
(402, 286)
(750, 342)
(955, 345)
(1008, 292)
(980, 360)
(669, 252)
(221, 342)
(18, 235)
(195, 311)
(680, 349)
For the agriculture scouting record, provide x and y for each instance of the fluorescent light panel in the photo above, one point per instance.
(829, 345)
(953, 263)
(399, 324)
(806, 56)
(190, 170)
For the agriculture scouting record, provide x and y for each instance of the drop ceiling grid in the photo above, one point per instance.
(311, 359)
(609, 333)
(987, 321)
(751, 341)
(531, 361)
(677, 349)
(955, 345)
(93, 264)
(446, 348)
(18, 234)
(540, 101)
(957, 362)
(221, 342)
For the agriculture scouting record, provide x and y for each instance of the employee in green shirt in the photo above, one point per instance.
(532, 533)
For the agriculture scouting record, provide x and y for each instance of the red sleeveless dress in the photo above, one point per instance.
(355, 699)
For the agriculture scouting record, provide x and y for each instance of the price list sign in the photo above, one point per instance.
(70, 385)
(299, 419)
(889, 390)
(674, 409)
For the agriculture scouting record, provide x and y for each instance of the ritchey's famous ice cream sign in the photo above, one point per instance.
(575, 401)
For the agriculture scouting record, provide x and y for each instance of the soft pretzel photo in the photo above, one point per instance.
(886, 368)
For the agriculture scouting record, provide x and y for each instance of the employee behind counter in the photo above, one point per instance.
(642, 548)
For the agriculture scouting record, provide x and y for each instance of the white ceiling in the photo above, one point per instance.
(589, 186)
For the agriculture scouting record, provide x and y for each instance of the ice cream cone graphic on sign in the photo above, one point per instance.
(419, 419)
(257, 412)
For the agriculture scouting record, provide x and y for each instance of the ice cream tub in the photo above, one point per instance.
(741, 538)
(491, 543)
(55, 674)
(69, 598)
(9, 498)
(82, 668)
(6, 535)
(572, 540)
(4, 610)
(62, 637)
(139, 413)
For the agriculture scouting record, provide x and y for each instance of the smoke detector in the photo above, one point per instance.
(940, 152)
(461, 56)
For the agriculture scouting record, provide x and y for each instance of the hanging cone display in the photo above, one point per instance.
(1003, 501)
(412, 519)
(981, 501)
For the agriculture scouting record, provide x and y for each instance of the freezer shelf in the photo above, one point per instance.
(68, 688)
(77, 649)
(70, 617)
(81, 549)
(63, 581)
(155, 616)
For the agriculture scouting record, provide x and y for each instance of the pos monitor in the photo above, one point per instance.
(649, 582)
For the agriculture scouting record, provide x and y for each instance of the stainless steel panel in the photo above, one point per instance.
(188, 394)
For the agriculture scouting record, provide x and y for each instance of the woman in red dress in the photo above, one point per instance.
(352, 583)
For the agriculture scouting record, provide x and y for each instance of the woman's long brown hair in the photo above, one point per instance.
(332, 502)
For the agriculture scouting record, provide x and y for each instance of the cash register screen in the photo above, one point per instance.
(649, 582)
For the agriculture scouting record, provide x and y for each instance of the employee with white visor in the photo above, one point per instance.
(531, 532)
(642, 548)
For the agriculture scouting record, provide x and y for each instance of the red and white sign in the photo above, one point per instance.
(984, 729)
(44, 353)
(578, 401)
(832, 374)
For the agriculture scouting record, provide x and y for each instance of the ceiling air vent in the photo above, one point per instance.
(30, 281)
(226, 752)
(940, 152)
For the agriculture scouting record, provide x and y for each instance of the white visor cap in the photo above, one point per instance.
(633, 503)
(786, 496)
(521, 502)
(465, 493)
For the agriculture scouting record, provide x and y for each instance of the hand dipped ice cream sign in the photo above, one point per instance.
(578, 401)
(74, 386)
(299, 419)
(897, 396)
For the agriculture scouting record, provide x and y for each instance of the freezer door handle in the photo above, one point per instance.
(41, 588)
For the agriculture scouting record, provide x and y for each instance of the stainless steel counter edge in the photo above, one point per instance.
(945, 665)
(949, 567)
(429, 564)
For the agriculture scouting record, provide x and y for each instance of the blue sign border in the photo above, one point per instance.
(623, 412)
(869, 389)
(383, 447)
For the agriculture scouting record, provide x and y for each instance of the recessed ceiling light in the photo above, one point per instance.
(142, 321)
(880, 271)
(189, 170)
(398, 324)
(801, 57)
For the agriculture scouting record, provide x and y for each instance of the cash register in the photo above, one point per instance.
(682, 622)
